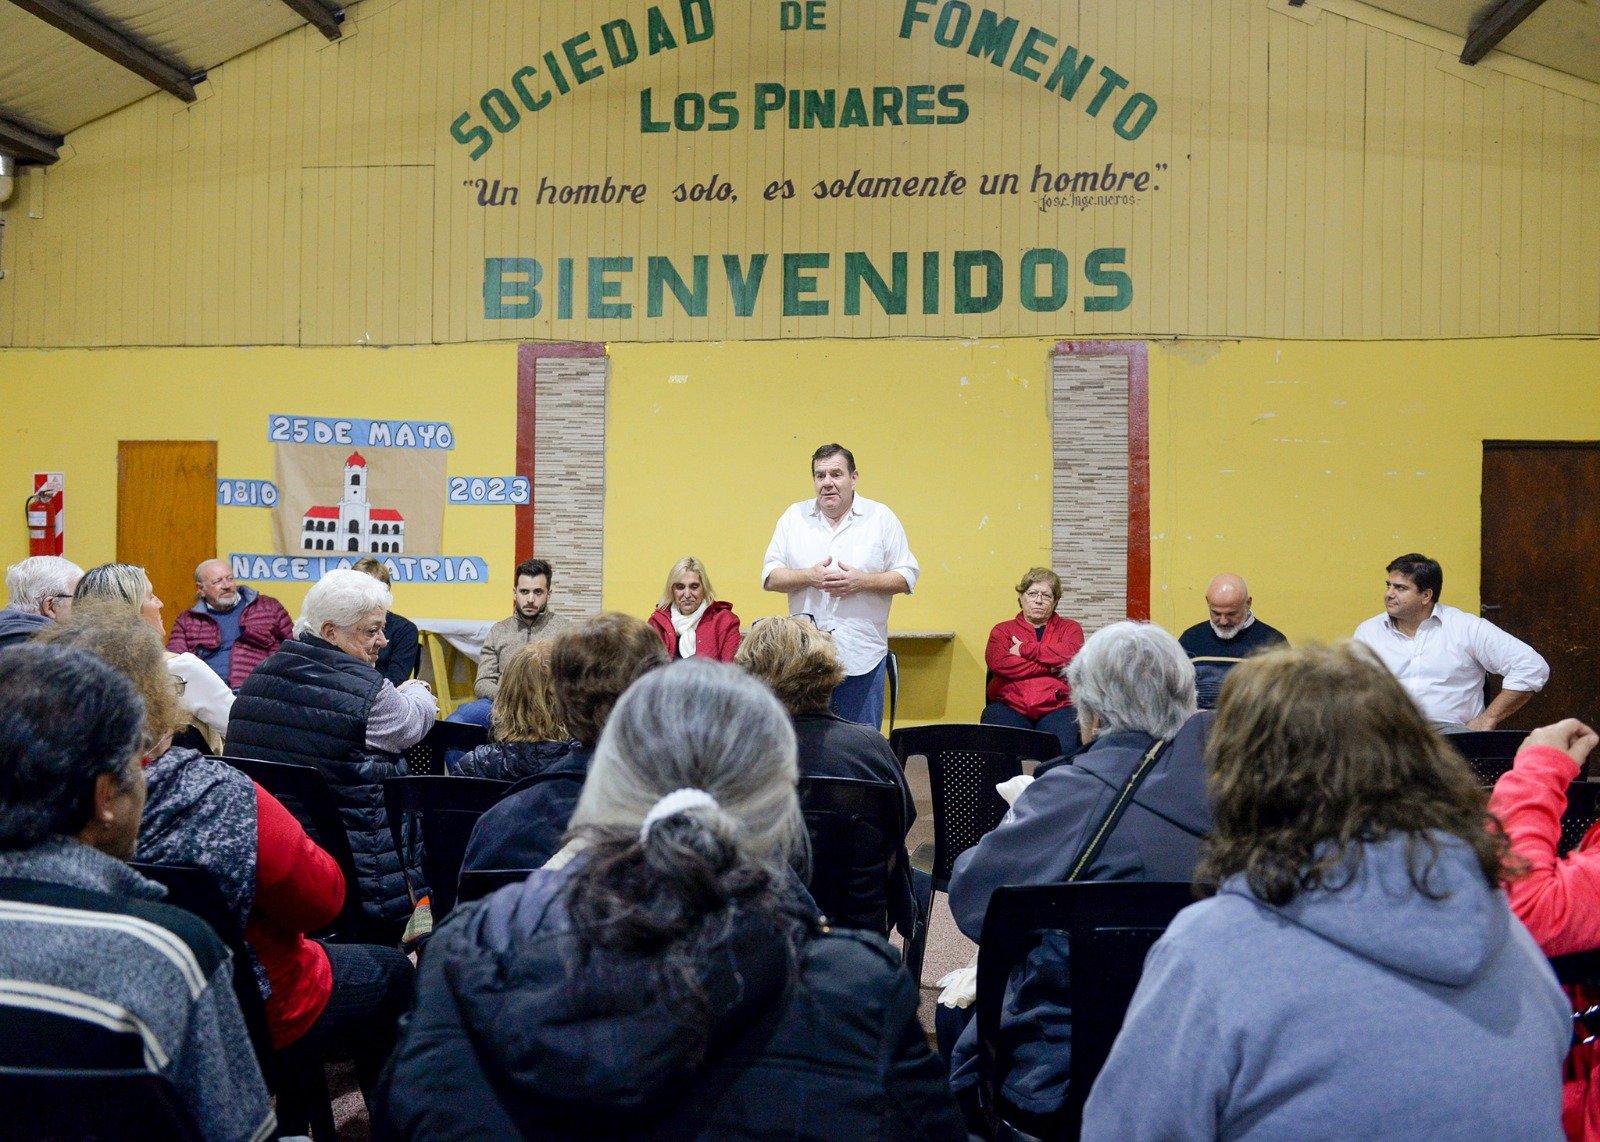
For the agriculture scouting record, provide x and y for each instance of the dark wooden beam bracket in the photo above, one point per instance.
(1501, 21)
(28, 146)
(326, 20)
(112, 44)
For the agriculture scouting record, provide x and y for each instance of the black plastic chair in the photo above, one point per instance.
(129, 1105)
(478, 883)
(1489, 752)
(965, 763)
(304, 791)
(427, 757)
(446, 808)
(1109, 926)
(299, 1080)
(1583, 811)
(857, 833)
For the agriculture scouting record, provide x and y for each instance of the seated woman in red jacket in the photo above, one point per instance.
(1027, 658)
(690, 620)
(1558, 898)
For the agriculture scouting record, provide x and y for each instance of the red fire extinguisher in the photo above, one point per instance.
(46, 522)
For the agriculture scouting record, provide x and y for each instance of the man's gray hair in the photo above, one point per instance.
(701, 725)
(342, 598)
(1133, 677)
(37, 578)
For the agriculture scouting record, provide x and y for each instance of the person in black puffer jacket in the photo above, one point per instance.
(529, 736)
(674, 979)
(318, 701)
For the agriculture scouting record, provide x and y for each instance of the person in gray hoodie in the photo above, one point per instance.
(1357, 972)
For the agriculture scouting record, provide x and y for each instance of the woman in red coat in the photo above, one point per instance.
(1557, 897)
(1027, 658)
(689, 618)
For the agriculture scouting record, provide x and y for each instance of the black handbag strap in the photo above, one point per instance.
(1091, 851)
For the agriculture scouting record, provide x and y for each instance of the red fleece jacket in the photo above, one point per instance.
(299, 888)
(1558, 900)
(717, 636)
(1030, 682)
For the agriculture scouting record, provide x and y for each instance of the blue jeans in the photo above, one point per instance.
(476, 712)
(1063, 723)
(859, 698)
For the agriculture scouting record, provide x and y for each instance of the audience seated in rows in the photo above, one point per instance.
(528, 737)
(673, 980)
(1027, 657)
(319, 701)
(232, 629)
(800, 665)
(205, 696)
(1357, 972)
(1557, 897)
(591, 663)
(279, 885)
(691, 620)
(399, 658)
(1135, 694)
(94, 973)
(38, 592)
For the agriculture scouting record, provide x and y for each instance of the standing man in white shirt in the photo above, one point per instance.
(840, 558)
(1441, 655)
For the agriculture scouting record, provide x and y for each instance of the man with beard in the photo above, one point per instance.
(230, 628)
(1231, 633)
(531, 621)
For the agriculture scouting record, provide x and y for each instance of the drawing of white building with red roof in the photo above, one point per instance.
(353, 525)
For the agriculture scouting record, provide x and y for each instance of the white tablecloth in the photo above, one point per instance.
(466, 635)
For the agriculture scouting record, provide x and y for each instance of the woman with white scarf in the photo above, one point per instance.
(690, 619)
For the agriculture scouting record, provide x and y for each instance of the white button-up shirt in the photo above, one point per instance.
(868, 538)
(1443, 666)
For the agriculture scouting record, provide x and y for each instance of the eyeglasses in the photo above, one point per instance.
(1040, 596)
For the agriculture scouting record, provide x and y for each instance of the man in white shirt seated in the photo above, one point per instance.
(841, 558)
(1441, 655)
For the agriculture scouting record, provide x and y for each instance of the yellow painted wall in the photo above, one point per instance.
(66, 410)
(708, 444)
(1321, 172)
(1305, 466)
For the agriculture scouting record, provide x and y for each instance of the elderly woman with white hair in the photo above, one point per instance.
(1131, 806)
(319, 700)
(673, 980)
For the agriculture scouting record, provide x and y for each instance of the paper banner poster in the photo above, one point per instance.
(339, 499)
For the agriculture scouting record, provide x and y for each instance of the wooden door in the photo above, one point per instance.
(1541, 566)
(167, 514)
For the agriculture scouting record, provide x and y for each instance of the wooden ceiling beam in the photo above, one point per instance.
(114, 45)
(27, 146)
(1501, 21)
(326, 20)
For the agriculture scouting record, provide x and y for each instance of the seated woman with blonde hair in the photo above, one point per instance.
(206, 696)
(801, 666)
(528, 735)
(690, 619)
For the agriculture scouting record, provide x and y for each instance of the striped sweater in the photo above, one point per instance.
(94, 973)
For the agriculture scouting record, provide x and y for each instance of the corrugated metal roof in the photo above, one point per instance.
(51, 85)
(1563, 35)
